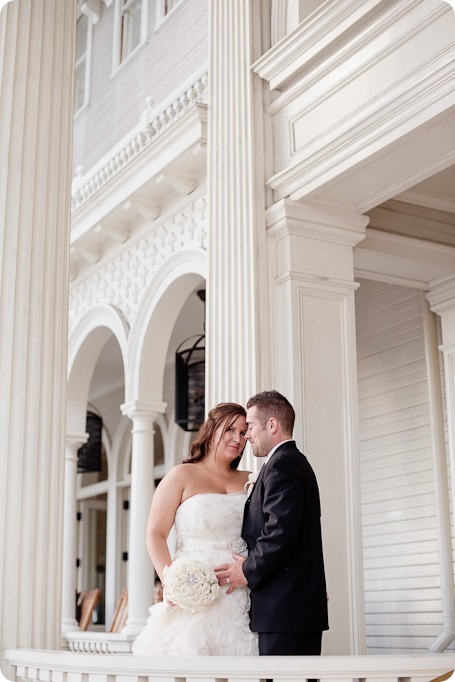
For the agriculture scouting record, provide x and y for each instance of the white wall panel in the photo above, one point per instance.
(400, 535)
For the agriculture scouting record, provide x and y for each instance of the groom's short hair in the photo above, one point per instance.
(273, 404)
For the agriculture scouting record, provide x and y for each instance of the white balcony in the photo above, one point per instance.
(62, 666)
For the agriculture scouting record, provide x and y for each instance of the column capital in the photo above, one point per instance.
(142, 409)
(441, 294)
(76, 439)
(316, 221)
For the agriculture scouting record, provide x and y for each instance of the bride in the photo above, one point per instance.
(204, 497)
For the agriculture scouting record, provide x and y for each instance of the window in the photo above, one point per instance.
(169, 4)
(131, 28)
(165, 7)
(81, 83)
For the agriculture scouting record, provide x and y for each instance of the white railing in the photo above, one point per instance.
(61, 666)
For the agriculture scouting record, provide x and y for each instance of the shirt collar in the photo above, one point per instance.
(288, 440)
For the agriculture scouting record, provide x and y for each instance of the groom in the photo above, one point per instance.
(281, 526)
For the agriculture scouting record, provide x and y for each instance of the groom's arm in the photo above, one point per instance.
(283, 511)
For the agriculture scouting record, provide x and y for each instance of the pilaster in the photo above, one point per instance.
(236, 239)
(441, 297)
(140, 569)
(36, 89)
(311, 265)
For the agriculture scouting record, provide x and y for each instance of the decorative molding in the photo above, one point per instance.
(122, 281)
(374, 123)
(330, 37)
(320, 287)
(138, 409)
(310, 38)
(99, 642)
(179, 182)
(88, 254)
(116, 233)
(323, 223)
(152, 126)
(145, 209)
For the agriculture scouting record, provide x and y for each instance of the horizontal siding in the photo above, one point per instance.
(400, 536)
(173, 53)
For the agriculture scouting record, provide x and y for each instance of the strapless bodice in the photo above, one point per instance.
(211, 522)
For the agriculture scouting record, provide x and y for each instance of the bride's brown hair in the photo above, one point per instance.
(224, 412)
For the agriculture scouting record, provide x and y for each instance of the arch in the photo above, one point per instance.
(85, 346)
(154, 323)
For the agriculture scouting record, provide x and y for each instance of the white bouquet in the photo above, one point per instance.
(190, 584)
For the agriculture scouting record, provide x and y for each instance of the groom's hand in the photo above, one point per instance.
(231, 574)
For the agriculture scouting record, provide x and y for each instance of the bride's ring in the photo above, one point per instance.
(227, 581)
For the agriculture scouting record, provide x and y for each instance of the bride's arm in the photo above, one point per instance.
(166, 500)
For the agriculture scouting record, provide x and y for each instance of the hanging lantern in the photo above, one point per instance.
(190, 383)
(89, 455)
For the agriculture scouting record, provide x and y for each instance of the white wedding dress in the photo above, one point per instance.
(208, 528)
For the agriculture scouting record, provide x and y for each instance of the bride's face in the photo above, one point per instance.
(230, 444)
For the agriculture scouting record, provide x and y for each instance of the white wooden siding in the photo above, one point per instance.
(400, 541)
(168, 60)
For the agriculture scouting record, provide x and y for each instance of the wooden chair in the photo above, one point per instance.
(120, 613)
(88, 601)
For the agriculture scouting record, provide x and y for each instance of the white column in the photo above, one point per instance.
(36, 88)
(70, 538)
(140, 569)
(441, 474)
(236, 202)
(441, 297)
(311, 264)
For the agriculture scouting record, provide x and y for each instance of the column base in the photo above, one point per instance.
(133, 627)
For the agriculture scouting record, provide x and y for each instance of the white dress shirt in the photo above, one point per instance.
(275, 448)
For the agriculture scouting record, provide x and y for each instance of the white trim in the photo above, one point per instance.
(117, 60)
(88, 61)
(160, 16)
(427, 200)
(33, 664)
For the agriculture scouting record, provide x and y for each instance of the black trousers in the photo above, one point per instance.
(290, 644)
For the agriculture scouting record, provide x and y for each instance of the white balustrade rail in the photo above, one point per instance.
(63, 666)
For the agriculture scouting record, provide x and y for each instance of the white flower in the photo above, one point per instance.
(252, 477)
(190, 584)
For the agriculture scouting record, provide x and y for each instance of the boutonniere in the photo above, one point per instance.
(252, 477)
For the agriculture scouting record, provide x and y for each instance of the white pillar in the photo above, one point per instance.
(311, 264)
(140, 569)
(441, 297)
(36, 89)
(441, 483)
(70, 537)
(236, 201)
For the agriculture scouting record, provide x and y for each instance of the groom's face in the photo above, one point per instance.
(257, 433)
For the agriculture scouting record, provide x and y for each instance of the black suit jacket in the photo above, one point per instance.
(282, 528)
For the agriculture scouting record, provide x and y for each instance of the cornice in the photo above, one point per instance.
(366, 129)
(311, 37)
(363, 43)
(315, 221)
